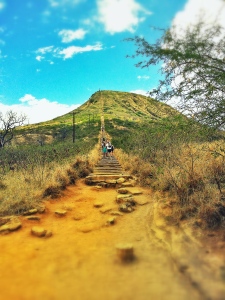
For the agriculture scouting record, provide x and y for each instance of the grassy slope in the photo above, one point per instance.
(122, 111)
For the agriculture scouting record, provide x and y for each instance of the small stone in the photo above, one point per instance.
(116, 213)
(4, 220)
(4, 228)
(33, 218)
(87, 228)
(98, 204)
(41, 209)
(112, 181)
(48, 233)
(135, 191)
(38, 231)
(122, 191)
(125, 198)
(30, 212)
(111, 221)
(97, 187)
(60, 212)
(14, 226)
(125, 208)
(120, 180)
(125, 252)
(127, 184)
(78, 216)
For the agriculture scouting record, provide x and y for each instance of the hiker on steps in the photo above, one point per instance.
(109, 149)
(104, 149)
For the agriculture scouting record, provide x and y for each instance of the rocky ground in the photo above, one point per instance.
(107, 243)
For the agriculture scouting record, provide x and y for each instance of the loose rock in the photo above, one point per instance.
(38, 231)
(122, 191)
(116, 213)
(111, 221)
(60, 212)
(33, 218)
(30, 212)
(98, 204)
(120, 180)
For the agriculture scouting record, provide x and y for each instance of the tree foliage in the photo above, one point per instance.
(8, 123)
(192, 63)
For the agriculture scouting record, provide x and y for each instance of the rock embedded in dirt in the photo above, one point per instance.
(120, 180)
(116, 213)
(98, 204)
(30, 212)
(97, 187)
(122, 191)
(4, 229)
(33, 218)
(48, 233)
(60, 212)
(15, 225)
(111, 221)
(134, 191)
(128, 184)
(78, 216)
(4, 220)
(121, 197)
(125, 208)
(12, 225)
(41, 209)
(125, 252)
(38, 231)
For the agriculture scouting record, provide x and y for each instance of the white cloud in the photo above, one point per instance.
(140, 92)
(38, 110)
(71, 51)
(66, 53)
(144, 77)
(71, 35)
(45, 50)
(211, 11)
(120, 15)
(2, 5)
(39, 57)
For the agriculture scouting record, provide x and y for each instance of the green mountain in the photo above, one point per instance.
(121, 111)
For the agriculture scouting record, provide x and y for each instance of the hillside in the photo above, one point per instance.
(121, 110)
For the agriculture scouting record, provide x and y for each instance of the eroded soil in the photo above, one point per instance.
(80, 260)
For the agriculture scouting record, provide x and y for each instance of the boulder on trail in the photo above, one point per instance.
(122, 191)
(126, 208)
(30, 212)
(111, 221)
(60, 212)
(12, 224)
(121, 180)
(33, 218)
(98, 204)
(38, 231)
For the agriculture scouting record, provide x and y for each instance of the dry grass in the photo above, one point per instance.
(22, 191)
(194, 177)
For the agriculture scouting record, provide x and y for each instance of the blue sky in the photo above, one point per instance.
(54, 54)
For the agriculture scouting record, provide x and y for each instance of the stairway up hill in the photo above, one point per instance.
(109, 173)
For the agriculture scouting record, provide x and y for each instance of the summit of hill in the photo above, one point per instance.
(122, 111)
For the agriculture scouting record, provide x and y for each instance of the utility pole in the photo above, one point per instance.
(89, 121)
(74, 127)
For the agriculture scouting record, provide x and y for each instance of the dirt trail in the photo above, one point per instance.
(79, 261)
